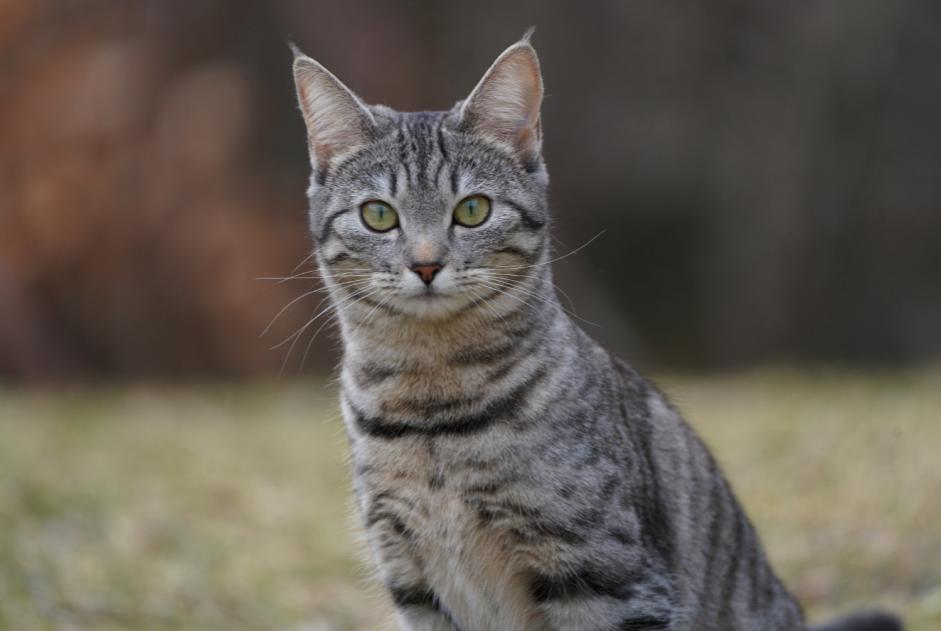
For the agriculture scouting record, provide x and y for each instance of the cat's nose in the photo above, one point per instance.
(426, 271)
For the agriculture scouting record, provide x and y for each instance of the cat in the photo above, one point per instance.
(509, 472)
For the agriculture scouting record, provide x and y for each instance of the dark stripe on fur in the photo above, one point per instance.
(584, 582)
(515, 251)
(863, 621)
(649, 504)
(504, 407)
(526, 217)
(490, 486)
(543, 528)
(715, 529)
(413, 597)
(395, 522)
(436, 481)
(442, 150)
(487, 354)
(403, 154)
(326, 228)
(641, 623)
(729, 582)
(512, 338)
(367, 375)
(338, 258)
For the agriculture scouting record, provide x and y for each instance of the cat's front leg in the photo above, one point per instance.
(417, 607)
(400, 569)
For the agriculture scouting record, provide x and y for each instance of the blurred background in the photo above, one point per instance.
(765, 178)
(768, 175)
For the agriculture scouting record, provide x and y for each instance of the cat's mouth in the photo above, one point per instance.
(432, 295)
(433, 302)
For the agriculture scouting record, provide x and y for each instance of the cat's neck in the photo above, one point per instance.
(434, 352)
(420, 338)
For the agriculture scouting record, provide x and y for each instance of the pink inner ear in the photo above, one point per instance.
(505, 105)
(335, 119)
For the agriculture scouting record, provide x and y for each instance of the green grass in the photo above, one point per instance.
(227, 507)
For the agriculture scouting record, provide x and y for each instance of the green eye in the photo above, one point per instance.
(472, 211)
(379, 216)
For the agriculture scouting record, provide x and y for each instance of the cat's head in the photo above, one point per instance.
(428, 213)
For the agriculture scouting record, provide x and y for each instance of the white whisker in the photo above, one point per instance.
(314, 318)
(558, 258)
(339, 306)
(305, 295)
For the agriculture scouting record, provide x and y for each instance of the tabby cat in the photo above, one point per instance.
(510, 473)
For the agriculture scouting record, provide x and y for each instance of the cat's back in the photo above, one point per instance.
(722, 576)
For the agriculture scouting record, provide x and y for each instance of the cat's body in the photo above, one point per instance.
(510, 473)
(564, 493)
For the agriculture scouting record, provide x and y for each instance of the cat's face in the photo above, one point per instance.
(428, 214)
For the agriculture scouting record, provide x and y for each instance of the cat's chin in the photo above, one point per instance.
(432, 306)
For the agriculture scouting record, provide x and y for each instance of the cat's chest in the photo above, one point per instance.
(475, 567)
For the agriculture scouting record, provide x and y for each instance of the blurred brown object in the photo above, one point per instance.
(134, 220)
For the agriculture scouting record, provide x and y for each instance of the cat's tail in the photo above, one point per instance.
(863, 621)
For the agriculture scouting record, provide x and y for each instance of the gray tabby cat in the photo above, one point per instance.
(511, 474)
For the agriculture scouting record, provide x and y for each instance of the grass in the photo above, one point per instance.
(227, 507)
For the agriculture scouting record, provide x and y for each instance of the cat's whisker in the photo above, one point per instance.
(570, 311)
(318, 313)
(282, 279)
(341, 307)
(338, 284)
(305, 295)
(309, 274)
(565, 295)
(381, 303)
(482, 300)
(510, 285)
(293, 273)
(285, 308)
(303, 328)
(553, 260)
(502, 291)
(305, 260)
(541, 298)
(333, 318)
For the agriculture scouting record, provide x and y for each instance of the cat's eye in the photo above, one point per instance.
(472, 211)
(379, 216)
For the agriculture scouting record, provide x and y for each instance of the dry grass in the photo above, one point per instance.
(226, 507)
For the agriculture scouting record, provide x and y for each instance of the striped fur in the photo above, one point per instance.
(510, 473)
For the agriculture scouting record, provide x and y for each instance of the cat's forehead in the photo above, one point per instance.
(415, 135)
(427, 142)
(420, 146)
(420, 125)
(422, 163)
(407, 140)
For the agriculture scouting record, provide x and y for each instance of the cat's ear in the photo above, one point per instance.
(337, 121)
(505, 104)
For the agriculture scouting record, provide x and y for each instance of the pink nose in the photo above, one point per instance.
(426, 271)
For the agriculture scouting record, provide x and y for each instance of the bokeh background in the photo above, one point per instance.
(760, 184)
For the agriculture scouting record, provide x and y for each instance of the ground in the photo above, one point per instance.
(227, 506)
